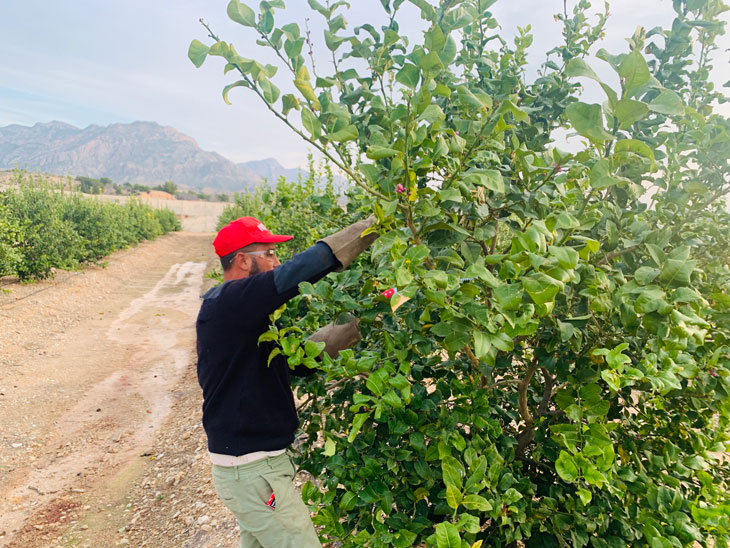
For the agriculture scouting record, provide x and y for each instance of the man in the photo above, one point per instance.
(249, 413)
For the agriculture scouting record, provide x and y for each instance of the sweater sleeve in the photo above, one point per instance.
(253, 299)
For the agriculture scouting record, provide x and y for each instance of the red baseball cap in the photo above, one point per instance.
(242, 232)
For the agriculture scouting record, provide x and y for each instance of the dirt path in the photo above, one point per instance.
(100, 442)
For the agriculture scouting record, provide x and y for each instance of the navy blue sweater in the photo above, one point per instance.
(248, 405)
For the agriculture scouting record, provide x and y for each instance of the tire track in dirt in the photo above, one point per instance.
(144, 353)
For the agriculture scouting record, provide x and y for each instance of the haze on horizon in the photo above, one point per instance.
(88, 62)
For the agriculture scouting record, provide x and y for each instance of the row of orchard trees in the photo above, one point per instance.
(554, 367)
(43, 228)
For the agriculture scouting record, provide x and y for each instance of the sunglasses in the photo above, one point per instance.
(268, 253)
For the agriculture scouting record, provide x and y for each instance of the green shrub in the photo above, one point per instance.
(42, 227)
(554, 369)
(168, 220)
(48, 241)
(10, 238)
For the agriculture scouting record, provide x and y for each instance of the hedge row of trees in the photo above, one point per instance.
(43, 228)
(104, 185)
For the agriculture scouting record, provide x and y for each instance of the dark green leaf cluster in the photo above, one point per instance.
(552, 367)
(43, 227)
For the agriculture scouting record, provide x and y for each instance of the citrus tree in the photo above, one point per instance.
(545, 359)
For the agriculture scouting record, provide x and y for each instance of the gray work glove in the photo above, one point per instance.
(347, 244)
(337, 337)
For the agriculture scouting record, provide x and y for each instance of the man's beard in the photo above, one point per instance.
(254, 268)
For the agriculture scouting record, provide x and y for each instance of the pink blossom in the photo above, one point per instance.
(558, 168)
(400, 189)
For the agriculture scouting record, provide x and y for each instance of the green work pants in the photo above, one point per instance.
(246, 489)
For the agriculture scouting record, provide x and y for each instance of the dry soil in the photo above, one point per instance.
(100, 437)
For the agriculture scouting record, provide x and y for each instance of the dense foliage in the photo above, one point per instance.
(42, 227)
(554, 365)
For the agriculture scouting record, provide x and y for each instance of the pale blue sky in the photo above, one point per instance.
(92, 62)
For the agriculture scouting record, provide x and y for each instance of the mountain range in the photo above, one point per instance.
(140, 152)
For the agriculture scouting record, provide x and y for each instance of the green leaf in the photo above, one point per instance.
(430, 61)
(509, 296)
(434, 39)
(467, 98)
(329, 447)
(612, 379)
(567, 256)
(508, 106)
(456, 335)
(393, 399)
(229, 87)
(409, 76)
(488, 178)
(566, 221)
(348, 133)
(197, 52)
(588, 121)
(481, 344)
(613, 60)
(481, 272)
(357, 423)
(313, 349)
(447, 536)
(656, 253)
(377, 152)
(541, 288)
(477, 502)
(566, 467)
(448, 53)
(645, 275)
(305, 88)
(376, 381)
(677, 272)
(634, 73)
(577, 67)
(593, 476)
(452, 471)
(629, 111)
(348, 501)
(275, 352)
(291, 31)
(311, 123)
(585, 496)
(404, 539)
(293, 48)
(241, 14)
(332, 41)
(637, 147)
(432, 114)
(667, 102)
(266, 22)
(289, 102)
(453, 496)
(269, 91)
(649, 299)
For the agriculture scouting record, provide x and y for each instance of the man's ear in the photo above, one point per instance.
(243, 262)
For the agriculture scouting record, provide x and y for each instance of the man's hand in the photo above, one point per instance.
(337, 337)
(348, 243)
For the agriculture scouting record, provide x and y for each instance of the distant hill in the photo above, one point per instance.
(140, 152)
(271, 170)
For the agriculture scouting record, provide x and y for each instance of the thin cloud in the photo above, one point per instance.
(89, 62)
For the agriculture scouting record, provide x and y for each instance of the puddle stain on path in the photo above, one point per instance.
(116, 418)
